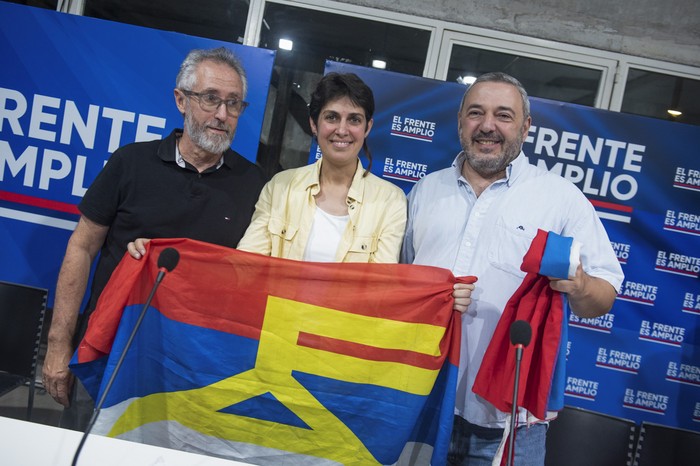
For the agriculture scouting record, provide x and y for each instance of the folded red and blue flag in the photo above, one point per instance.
(270, 360)
(543, 366)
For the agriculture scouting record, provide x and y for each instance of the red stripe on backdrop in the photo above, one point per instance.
(39, 202)
(611, 206)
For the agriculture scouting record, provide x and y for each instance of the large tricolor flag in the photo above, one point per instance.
(273, 361)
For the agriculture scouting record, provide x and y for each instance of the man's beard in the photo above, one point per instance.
(488, 167)
(215, 144)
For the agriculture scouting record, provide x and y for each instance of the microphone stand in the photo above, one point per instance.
(514, 408)
(520, 335)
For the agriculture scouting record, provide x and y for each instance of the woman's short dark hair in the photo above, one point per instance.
(334, 86)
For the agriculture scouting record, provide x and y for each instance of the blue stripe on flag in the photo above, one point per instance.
(555, 260)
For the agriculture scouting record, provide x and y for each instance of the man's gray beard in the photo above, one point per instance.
(208, 142)
(487, 167)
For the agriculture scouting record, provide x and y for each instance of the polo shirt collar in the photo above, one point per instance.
(182, 163)
(168, 152)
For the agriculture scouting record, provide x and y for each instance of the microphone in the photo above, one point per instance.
(167, 260)
(520, 335)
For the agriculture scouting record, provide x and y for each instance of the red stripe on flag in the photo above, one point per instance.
(39, 202)
(371, 353)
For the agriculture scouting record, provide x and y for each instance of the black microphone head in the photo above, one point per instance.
(520, 333)
(168, 259)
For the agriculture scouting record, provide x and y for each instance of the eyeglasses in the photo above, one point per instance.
(211, 102)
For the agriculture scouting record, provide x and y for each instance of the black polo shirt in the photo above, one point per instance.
(142, 193)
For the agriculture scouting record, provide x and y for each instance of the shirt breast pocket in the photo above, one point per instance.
(281, 235)
(511, 241)
(281, 229)
(362, 248)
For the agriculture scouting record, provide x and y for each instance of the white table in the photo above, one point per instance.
(25, 443)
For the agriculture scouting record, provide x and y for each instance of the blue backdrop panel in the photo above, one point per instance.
(642, 360)
(72, 90)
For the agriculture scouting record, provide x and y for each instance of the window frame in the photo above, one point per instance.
(644, 64)
(538, 49)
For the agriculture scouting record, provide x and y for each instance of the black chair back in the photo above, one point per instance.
(659, 445)
(22, 310)
(579, 437)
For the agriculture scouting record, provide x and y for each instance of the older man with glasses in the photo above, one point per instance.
(190, 184)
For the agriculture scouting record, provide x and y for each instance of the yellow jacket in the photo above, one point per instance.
(285, 212)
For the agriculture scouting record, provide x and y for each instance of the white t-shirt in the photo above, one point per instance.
(326, 232)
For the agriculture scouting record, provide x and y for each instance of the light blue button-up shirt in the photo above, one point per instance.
(487, 236)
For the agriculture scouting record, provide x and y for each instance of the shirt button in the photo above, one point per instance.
(364, 246)
(284, 232)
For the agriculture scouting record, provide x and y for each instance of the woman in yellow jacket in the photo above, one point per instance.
(334, 210)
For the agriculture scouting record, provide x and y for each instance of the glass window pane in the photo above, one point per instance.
(317, 36)
(654, 94)
(213, 19)
(541, 78)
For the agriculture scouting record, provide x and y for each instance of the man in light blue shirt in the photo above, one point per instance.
(479, 217)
